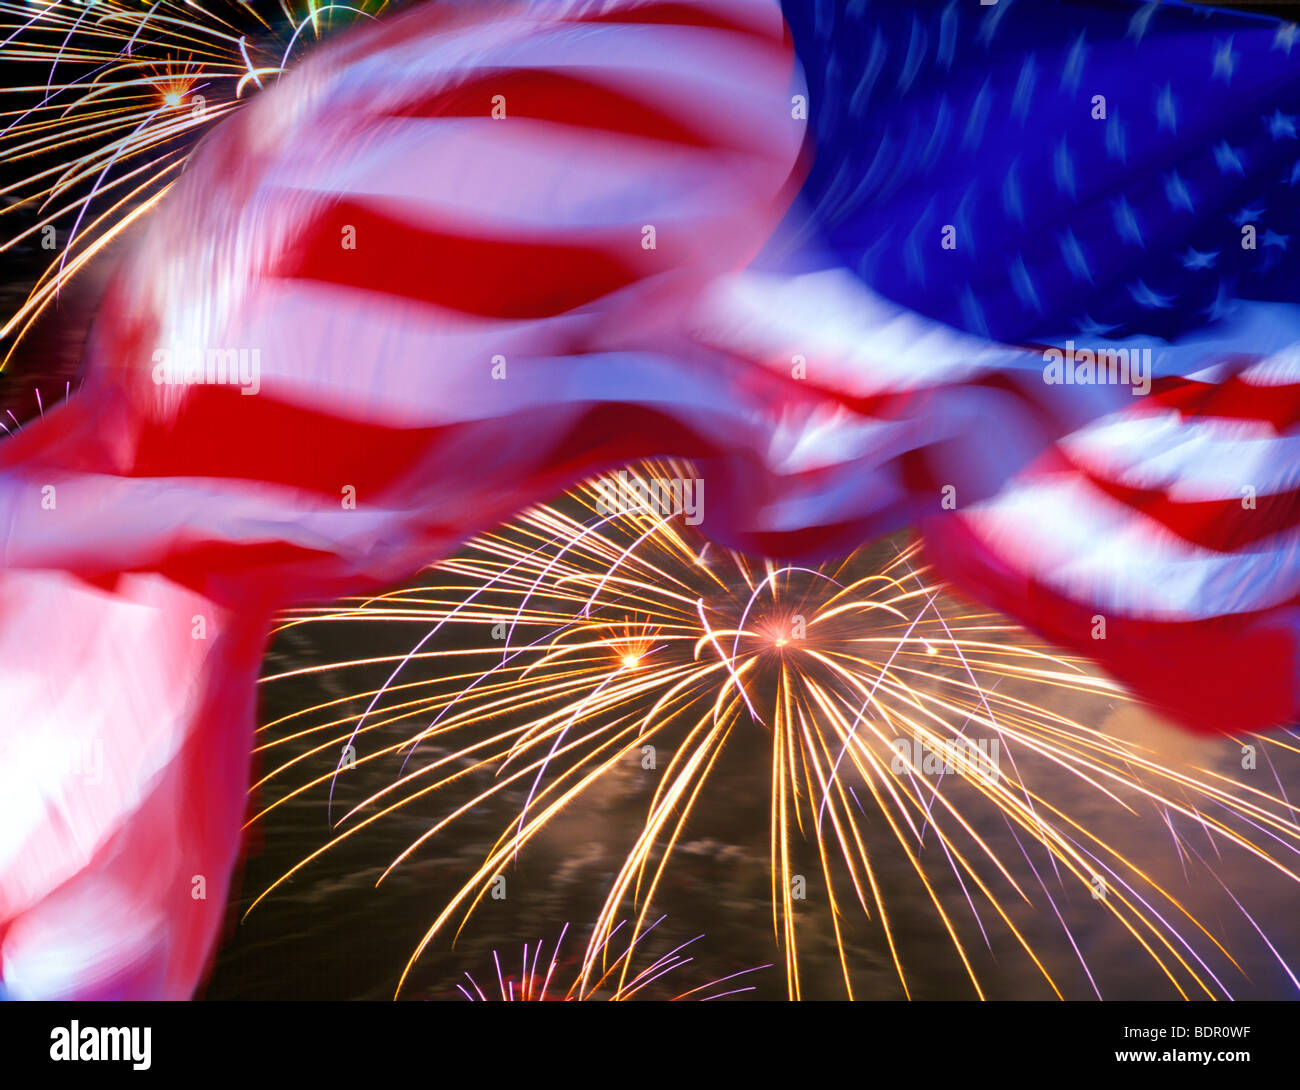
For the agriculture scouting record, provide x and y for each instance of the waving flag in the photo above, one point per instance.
(465, 258)
(1115, 176)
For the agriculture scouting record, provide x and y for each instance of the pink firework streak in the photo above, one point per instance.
(601, 975)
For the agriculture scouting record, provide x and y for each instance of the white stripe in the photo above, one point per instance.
(1190, 460)
(691, 72)
(1280, 369)
(848, 337)
(1064, 532)
(365, 355)
(522, 174)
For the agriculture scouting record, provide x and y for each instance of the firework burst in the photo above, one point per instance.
(105, 101)
(11, 422)
(601, 974)
(568, 647)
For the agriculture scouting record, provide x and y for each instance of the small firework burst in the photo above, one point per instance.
(30, 404)
(603, 974)
(556, 650)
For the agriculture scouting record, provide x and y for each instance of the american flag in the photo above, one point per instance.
(462, 259)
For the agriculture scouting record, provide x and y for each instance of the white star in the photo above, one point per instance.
(1012, 201)
(1074, 63)
(1244, 216)
(1285, 37)
(1166, 111)
(1063, 169)
(1126, 224)
(1281, 125)
(1222, 305)
(972, 313)
(1024, 284)
(1023, 95)
(1137, 26)
(1196, 259)
(1151, 300)
(1116, 145)
(989, 24)
(1177, 193)
(1090, 328)
(1225, 61)
(1072, 252)
(1227, 158)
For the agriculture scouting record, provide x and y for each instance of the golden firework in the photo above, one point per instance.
(556, 650)
(119, 90)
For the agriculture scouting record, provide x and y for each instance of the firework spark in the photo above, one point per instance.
(601, 974)
(119, 91)
(11, 422)
(556, 649)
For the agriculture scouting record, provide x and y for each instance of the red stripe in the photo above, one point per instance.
(559, 96)
(1232, 399)
(1222, 525)
(1229, 673)
(220, 433)
(502, 277)
(667, 13)
(433, 20)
